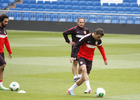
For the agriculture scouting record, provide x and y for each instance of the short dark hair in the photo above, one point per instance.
(2, 17)
(81, 18)
(99, 31)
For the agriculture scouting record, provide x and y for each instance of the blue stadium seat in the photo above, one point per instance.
(69, 18)
(122, 20)
(18, 5)
(97, 4)
(137, 20)
(48, 17)
(61, 7)
(18, 16)
(5, 1)
(40, 2)
(5, 5)
(106, 9)
(126, 5)
(62, 17)
(40, 17)
(92, 18)
(86, 17)
(83, 8)
(68, 3)
(126, 1)
(32, 1)
(54, 8)
(105, 4)
(90, 9)
(115, 20)
(69, 8)
(61, 3)
(133, 1)
(33, 7)
(76, 17)
(113, 10)
(24, 5)
(47, 3)
(76, 8)
(11, 1)
(134, 5)
(26, 16)
(100, 19)
(33, 16)
(47, 7)
(75, 3)
(40, 7)
(119, 5)
(82, 3)
(25, 2)
(89, 3)
(120, 10)
(130, 20)
(97, 1)
(55, 17)
(107, 19)
(98, 9)
(127, 10)
(135, 11)
(112, 5)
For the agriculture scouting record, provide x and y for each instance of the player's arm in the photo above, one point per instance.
(76, 49)
(7, 45)
(102, 51)
(65, 35)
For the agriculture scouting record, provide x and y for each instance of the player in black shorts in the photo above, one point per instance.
(3, 41)
(76, 33)
(87, 45)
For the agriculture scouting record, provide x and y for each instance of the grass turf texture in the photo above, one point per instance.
(41, 66)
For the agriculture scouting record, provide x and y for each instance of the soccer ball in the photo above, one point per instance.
(100, 92)
(14, 86)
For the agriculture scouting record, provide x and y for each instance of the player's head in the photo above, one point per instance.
(99, 32)
(4, 20)
(81, 22)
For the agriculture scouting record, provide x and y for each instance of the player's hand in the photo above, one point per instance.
(72, 59)
(10, 56)
(72, 43)
(105, 62)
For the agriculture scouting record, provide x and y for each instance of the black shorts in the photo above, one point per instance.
(87, 62)
(2, 61)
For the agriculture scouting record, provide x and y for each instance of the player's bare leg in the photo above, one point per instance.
(74, 70)
(1, 77)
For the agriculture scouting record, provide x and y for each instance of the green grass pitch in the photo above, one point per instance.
(41, 66)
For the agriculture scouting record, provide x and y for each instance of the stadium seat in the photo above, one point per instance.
(127, 10)
(97, 4)
(61, 3)
(33, 16)
(40, 17)
(137, 20)
(33, 7)
(68, 3)
(24, 6)
(62, 17)
(5, 5)
(113, 10)
(97, 1)
(86, 17)
(126, 5)
(89, 3)
(133, 1)
(126, 1)
(114, 19)
(61, 7)
(55, 17)
(107, 19)
(120, 10)
(40, 7)
(98, 9)
(32, 1)
(76, 17)
(69, 18)
(112, 5)
(75, 3)
(130, 20)
(25, 16)
(25, 2)
(82, 3)
(47, 7)
(106, 9)
(119, 5)
(47, 17)
(92, 18)
(83, 8)
(11, 1)
(69, 8)
(90, 9)
(100, 19)
(47, 3)
(135, 11)
(122, 20)
(18, 5)
(105, 4)
(40, 2)
(76, 8)
(134, 5)
(18, 16)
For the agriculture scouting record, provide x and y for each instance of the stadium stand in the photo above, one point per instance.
(125, 8)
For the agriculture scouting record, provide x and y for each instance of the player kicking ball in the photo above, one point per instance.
(85, 55)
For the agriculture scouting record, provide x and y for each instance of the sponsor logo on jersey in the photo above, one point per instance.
(81, 62)
(90, 46)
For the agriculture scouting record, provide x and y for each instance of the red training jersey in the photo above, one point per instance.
(4, 41)
(87, 46)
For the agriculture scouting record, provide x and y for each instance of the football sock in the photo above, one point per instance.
(88, 85)
(73, 87)
(79, 75)
(75, 76)
(0, 83)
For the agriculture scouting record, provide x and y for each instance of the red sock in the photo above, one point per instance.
(0, 80)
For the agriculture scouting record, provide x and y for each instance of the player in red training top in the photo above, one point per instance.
(76, 33)
(87, 46)
(3, 41)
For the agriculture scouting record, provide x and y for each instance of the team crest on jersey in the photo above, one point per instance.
(85, 32)
(96, 42)
(4, 32)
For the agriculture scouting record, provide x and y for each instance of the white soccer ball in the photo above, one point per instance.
(14, 86)
(100, 92)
